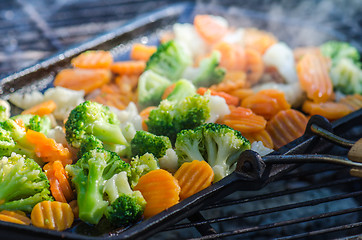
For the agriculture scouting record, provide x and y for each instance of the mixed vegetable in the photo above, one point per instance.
(122, 141)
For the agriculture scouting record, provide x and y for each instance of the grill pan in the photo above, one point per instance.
(251, 177)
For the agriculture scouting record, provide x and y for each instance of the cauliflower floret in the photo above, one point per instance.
(66, 100)
(26, 100)
(4, 113)
(218, 108)
(129, 115)
(259, 147)
(58, 135)
(235, 37)
(169, 161)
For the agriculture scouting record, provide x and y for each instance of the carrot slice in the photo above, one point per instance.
(254, 66)
(47, 149)
(168, 90)
(93, 59)
(313, 74)
(127, 80)
(301, 51)
(59, 185)
(41, 109)
(266, 103)
(209, 28)
(128, 67)
(18, 217)
(82, 79)
(262, 135)
(140, 52)
(230, 100)
(354, 102)
(329, 110)
(145, 113)
(232, 81)
(193, 177)
(244, 120)
(75, 208)
(52, 215)
(160, 190)
(258, 40)
(232, 56)
(286, 126)
(242, 93)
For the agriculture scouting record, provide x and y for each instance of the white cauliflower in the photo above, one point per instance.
(26, 100)
(235, 37)
(58, 135)
(5, 110)
(259, 147)
(65, 99)
(218, 108)
(169, 161)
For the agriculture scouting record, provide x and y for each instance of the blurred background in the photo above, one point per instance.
(32, 30)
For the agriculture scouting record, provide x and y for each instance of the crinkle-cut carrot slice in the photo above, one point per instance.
(242, 93)
(127, 80)
(286, 126)
(313, 74)
(52, 215)
(209, 28)
(47, 149)
(145, 113)
(193, 177)
(18, 217)
(83, 79)
(59, 184)
(160, 190)
(168, 90)
(230, 100)
(75, 208)
(262, 135)
(93, 59)
(244, 120)
(232, 81)
(301, 51)
(354, 102)
(41, 109)
(258, 40)
(232, 56)
(329, 110)
(254, 66)
(140, 52)
(128, 67)
(266, 103)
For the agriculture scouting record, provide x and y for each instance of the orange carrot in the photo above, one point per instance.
(230, 100)
(47, 149)
(301, 51)
(262, 135)
(82, 79)
(18, 217)
(254, 66)
(93, 59)
(21, 124)
(59, 185)
(232, 81)
(329, 110)
(168, 90)
(127, 80)
(140, 52)
(232, 56)
(209, 28)
(41, 109)
(75, 208)
(266, 103)
(313, 74)
(354, 102)
(128, 67)
(52, 215)
(244, 120)
(286, 126)
(193, 177)
(258, 40)
(160, 190)
(145, 113)
(242, 93)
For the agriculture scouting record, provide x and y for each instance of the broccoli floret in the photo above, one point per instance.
(182, 89)
(89, 144)
(140, 165)
(217, 144)
(171, 117)
(91, 118)
(207, 73)
(127, 206)
(22, 183)
(4, 110)
(150, 88)
(35, 122)
(346, 77)
(170, 60)
(89, 175)
(338, 50)
(145, 142)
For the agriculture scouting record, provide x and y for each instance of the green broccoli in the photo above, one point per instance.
(91, 118)
(22, 183)
(217, 144)
(170, 60)
(145, 142)
(89, 175)
(338, 50)
(150, 88)
(170, 117)
(207, 73)
(89, 144)
(182, 89)
(127, 206)
(140, 165)
(4, 110)
(35, 122)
